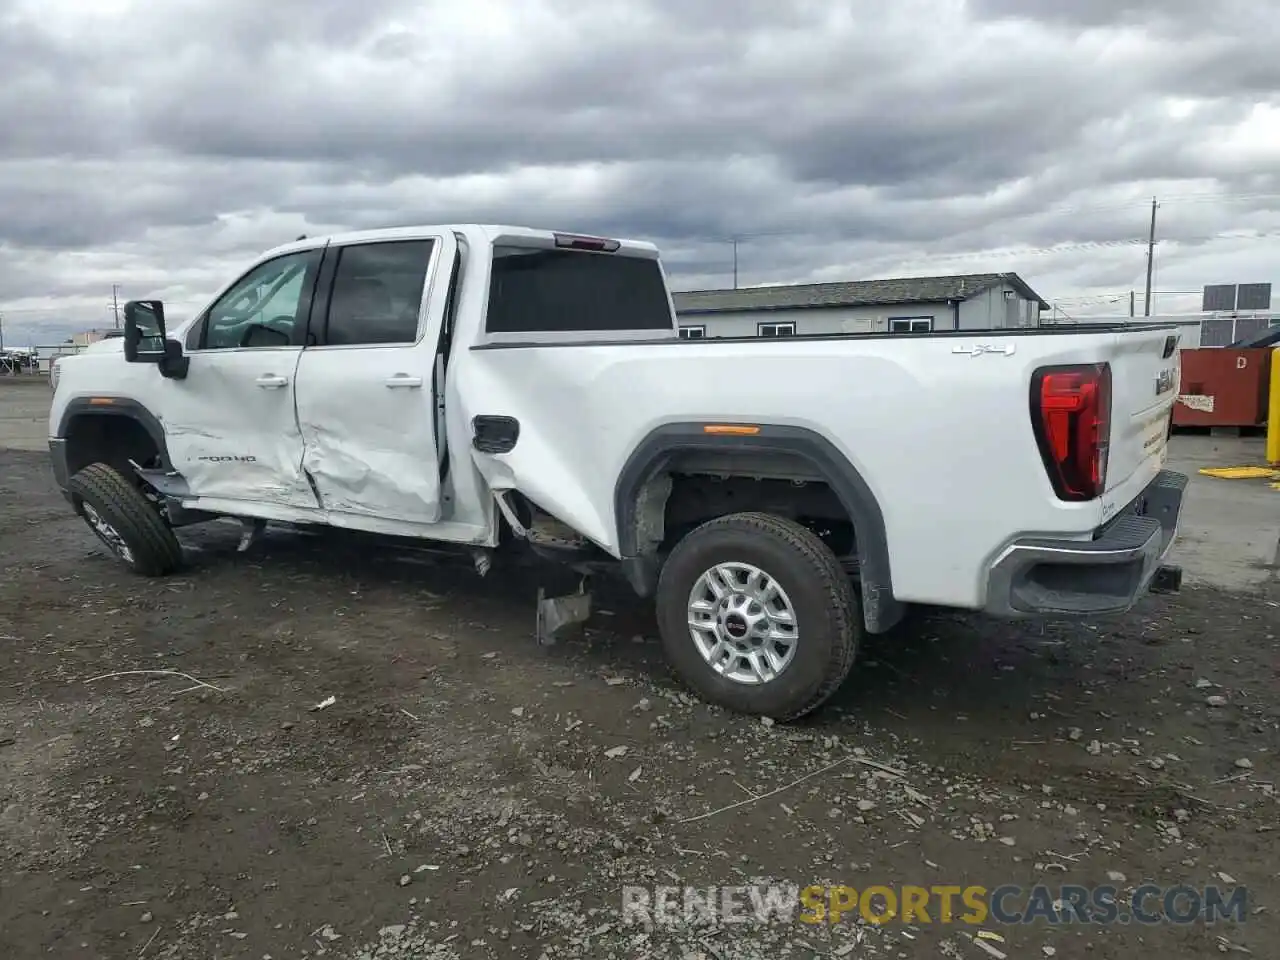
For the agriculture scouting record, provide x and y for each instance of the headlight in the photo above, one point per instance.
(53, 374)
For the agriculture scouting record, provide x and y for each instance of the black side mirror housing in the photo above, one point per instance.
(145, 340)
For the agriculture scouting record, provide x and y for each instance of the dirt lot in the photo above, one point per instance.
(470, 795)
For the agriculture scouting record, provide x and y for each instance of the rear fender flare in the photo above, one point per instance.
(651, 456)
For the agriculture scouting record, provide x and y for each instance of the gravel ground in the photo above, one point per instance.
(467, 794)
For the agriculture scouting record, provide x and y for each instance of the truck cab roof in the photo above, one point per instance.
(475, 232)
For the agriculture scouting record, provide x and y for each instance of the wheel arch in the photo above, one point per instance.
(98, 415)
(640, 490)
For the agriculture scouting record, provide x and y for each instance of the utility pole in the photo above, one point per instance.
(735, 263)
(1151, 258)
(1132, 296)
(115, 302)
(1, 331)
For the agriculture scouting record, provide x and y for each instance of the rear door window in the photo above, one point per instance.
(535, 290)
(377, 293)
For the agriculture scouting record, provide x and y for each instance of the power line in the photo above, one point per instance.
(1050, 211)
(1151, 258)
(1009, 251)
(1106, 297)
(735, 240)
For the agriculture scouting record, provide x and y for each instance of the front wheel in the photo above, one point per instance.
(124, 520)
(757, 615)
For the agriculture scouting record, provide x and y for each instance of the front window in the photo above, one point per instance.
(693, 333)
(535, 290)
(776, 330)
(265, 306)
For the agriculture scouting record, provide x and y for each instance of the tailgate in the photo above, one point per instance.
(1145, 369)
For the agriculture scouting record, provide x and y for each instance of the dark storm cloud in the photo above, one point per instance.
(173, 141)
(1152, 14)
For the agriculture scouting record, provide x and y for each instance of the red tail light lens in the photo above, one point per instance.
(1071, 416)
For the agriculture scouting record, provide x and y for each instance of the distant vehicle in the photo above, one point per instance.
(500, 388)
(16, 360)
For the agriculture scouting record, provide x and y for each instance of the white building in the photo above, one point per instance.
(981, 301)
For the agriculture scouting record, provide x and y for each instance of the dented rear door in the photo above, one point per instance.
(366, 382)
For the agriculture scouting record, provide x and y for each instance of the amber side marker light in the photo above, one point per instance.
(101, 401)
(731, 429)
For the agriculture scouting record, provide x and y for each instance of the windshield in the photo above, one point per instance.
(573, 291)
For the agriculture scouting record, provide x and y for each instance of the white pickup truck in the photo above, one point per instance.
(498, 387)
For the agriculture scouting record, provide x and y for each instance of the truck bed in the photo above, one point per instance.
(940, 429)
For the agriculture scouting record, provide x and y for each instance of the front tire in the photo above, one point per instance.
(757, 615)
(124, 520)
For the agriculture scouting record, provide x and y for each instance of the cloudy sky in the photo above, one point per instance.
(161, 145)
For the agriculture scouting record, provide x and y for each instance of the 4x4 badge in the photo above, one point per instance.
(978, 349)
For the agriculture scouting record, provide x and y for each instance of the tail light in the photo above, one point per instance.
(1071, 416)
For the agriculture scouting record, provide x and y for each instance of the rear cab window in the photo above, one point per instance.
(546, 293)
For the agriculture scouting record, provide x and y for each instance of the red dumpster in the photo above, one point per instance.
(1223, 388)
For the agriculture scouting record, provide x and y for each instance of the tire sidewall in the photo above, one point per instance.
(122, 505)
(78, 501)
(819, 624)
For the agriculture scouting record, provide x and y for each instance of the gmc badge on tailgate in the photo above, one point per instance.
(1164, 382)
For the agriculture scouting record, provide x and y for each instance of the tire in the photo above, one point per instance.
(826, 620)
(124, 520)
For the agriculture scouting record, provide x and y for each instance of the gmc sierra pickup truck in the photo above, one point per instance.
(500, 387)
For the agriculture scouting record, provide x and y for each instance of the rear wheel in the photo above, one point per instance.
(124, 520)
(757, 615)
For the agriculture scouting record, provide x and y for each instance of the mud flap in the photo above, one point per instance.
(1167, 579)
(562, 618)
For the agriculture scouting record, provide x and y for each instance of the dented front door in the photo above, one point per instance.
(230, 424)
(231, 429)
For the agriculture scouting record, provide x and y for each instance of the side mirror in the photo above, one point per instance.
(144, 331)
(145, 341)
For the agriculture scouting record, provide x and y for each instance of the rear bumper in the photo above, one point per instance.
(1108, 574)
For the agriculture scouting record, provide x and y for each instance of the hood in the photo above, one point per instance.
(108, 345)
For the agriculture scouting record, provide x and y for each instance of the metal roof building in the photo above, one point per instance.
(910, 304)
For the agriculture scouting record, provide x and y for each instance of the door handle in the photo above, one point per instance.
(269, 381)
(403, 380)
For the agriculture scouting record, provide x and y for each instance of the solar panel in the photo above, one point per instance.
(1253, 296)
(1216, 332)
(1219, 296)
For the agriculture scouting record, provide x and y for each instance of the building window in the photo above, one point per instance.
(776, 329)
(910, 324)
(693, 333)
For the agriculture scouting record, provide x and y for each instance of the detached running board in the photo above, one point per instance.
(167, 483)
(171, 487)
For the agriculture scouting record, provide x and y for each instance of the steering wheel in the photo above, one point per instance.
(275, 337)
